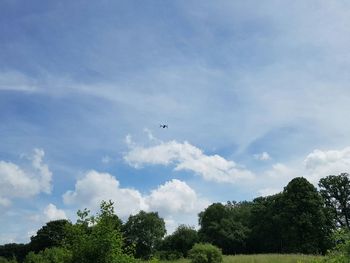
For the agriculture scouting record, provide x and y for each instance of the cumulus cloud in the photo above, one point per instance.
(320, 163)
(187, 157)
(95, 187)
(264, 156)
(18, 182)
(172, 199)
(316, 165)
(51, 212)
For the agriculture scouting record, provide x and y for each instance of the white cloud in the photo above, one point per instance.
(51, 212)
(320, 163)
(45, 173)
(313, 167)
(187, 157)
(95, 187)
(174, 200)
(268, 191)
(17, 182)
(175, 196)
(264, 156)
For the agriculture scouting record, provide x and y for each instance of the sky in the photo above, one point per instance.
(254, 93)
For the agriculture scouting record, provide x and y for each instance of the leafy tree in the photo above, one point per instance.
(303, 220)
(335, 190)
(10, 251)
(181, 241)
(265, 225)
(223, 225)
(145, 231)
(97, 239)
(50, 235)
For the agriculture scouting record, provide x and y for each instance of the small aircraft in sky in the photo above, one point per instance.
(163, 126)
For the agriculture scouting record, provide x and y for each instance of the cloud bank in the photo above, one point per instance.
(172, 199)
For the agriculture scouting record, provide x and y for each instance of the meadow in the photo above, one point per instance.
(262, 258)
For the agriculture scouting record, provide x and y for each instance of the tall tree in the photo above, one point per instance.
(303, 219)
(96, 239)
(51, 234)
(335, 190)
(225, 226)
(181, 241)
(145, 231)
(265, 224)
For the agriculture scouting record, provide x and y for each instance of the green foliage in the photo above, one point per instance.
(303, 221)
(18, 251)
(226, 226)
(50, 235)
(341, 252)
(205, 253)
(97, 239)
(293, 221)
(335, 190)
(265, 225)
(145, 231)
(50, 255)
(4, 260)
(179, 243)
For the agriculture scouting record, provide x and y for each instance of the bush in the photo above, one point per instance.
(169, 255)
(50, 255)
(205, 253)
(4, 260)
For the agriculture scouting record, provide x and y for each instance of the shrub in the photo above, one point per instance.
(50, 255)
(4, 260)
(169, 255)
(205, 253)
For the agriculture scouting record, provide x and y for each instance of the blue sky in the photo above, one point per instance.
(254, 94)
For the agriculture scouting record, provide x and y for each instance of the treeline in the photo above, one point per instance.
(300, 219)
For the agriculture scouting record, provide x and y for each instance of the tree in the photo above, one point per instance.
(145, 231)
(181, 241)
(265, 225)
(50, 235)
(225, 226)
(10, 251)
(335, 190)
(97, 239)
(303, 220)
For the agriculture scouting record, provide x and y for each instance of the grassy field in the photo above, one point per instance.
(262, 258)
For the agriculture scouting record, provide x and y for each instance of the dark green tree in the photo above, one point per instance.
(18, 251)
(335, 190)
(145, 231)
(303, 219)
(225, 226)
(181, 241)
(265, 225)
(50, 235)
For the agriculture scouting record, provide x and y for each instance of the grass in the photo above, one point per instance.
(262, 258)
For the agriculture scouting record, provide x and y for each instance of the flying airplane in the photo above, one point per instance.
(163, 126)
